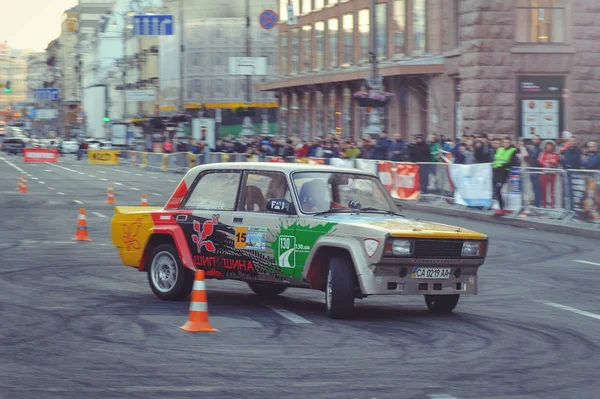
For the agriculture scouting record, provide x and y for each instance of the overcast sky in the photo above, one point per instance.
(31, 24)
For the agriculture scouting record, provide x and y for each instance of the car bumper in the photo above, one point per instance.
(390, 281)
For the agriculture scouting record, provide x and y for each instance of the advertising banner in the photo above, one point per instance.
(40, 155)
(400, 179)
(472, 183)
(585, 186)
(103, 157)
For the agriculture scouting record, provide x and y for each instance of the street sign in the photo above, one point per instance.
(152, 25)
(292, 19)
(248, 66)
(46, 114)
(140, 95)
(268, 19)
(46, 94)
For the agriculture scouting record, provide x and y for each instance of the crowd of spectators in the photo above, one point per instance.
(469, 149)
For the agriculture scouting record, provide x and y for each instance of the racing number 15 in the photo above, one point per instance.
(240, 237)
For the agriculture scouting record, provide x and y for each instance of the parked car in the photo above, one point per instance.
(15, 145)
(70, 147)
(277, 226)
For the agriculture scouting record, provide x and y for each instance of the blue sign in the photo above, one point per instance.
(153, 25)
(268, 19)
(46, 94)
(32, 113)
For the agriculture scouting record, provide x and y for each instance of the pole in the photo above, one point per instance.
(181, 56)
(373, 44)
(124, 74)
(248, 78)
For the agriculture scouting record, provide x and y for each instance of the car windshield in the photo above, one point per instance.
(323, 191)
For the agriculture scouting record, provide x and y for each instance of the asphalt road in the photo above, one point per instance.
(75, 323)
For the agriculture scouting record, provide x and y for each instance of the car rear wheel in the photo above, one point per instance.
(169, 280)
(339, 289)
(267, 290)
(441, 303)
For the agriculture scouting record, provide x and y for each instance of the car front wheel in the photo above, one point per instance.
(339, 291)
(267, 290)
(441, 303)
(169, 280)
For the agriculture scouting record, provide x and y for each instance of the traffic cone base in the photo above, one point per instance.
(81, 233)
(198, 317)
(144, 200)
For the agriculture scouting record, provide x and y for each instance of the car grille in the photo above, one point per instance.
(438, 249)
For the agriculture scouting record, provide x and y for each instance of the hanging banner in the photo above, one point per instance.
(472, 183)
(40, 155)
(406, 182)
(103, 157)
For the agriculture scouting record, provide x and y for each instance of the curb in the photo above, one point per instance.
(550, 226)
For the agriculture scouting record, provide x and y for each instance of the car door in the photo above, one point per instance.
(260, 232)
(206, 218)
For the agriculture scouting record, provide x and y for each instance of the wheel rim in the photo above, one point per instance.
(329, 290)
(164, 272)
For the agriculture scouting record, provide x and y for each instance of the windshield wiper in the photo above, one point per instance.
(376, 210)
(335, 210)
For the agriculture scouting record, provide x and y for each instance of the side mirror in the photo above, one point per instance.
(280, 205)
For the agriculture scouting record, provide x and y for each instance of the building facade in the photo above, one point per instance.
(13, 73)
(518, 67)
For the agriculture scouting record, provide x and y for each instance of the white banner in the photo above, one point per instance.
(472, 184)
(342, 163)
(367, 165)
(140, 95)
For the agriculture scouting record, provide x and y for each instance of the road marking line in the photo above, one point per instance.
(101, 171)
(104, 179)
(99, 215)
(78, 202)
(138, 174)
(50, 188)
(60, 193)
(134, 189)
(570, 309)
(91, 176)
(41, 182)
(293, 317)
(119, 184)
(13, 165)
(587, 262)
(157, 194)
(47, 170)
(441, 396)
(172, 181)
(62, 167)
(34, 178)
(81, 173)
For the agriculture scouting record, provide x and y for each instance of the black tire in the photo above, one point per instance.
(267, 290)
(339, 288)
(441, 304)
(184, 278)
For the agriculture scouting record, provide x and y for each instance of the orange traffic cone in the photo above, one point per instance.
(110, 199)
(198, 317)
(22, 185)
(144, 200)
(81, 233)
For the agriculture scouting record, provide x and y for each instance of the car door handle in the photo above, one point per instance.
(181, 218)
(238, 220)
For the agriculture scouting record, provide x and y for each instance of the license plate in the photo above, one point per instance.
(431, 273)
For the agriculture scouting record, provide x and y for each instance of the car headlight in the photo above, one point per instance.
(473, 249)
(398, 247)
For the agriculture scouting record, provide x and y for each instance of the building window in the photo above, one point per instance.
(456, 23)
(307, 48)
(283, 49)
(332, 2)
(333, 33)
(319, 4)
(294, 45)
(363, 35)
(196, 60)
(540, 21)
(348, 26)
(219, 59)
(381, 20)
(219, 87)
(419, 26)
(306, 6)
(319, 44)
(399, 26)
(196, 87)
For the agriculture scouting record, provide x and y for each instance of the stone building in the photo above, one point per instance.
(517, 67)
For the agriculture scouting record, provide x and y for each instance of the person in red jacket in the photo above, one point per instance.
(551, 160)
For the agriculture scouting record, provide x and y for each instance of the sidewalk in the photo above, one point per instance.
(580, 229)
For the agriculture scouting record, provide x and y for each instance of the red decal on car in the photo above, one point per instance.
(207, 229)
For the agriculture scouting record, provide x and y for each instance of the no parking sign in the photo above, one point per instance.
(268, 19)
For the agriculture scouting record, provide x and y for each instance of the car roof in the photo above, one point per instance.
(278, 167)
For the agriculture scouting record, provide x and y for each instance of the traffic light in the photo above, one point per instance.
(106, 119)
(7, 88)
